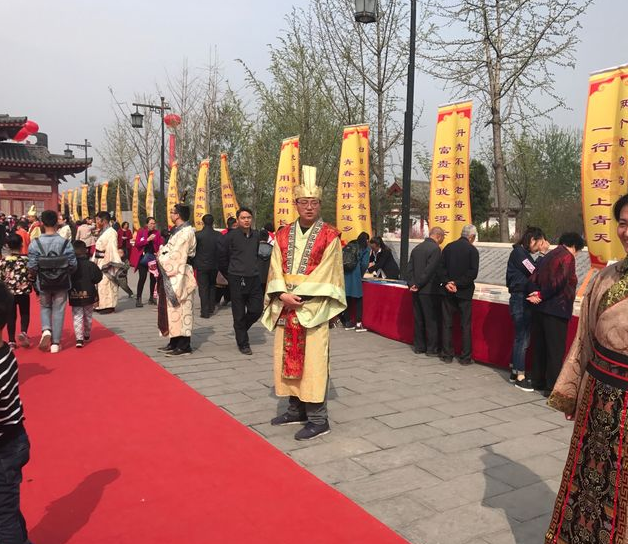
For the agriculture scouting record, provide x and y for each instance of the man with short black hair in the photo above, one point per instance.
(14, 444)
(52, 302)
(107, 258)
(239, 260)
(206, 264)
(176, 284)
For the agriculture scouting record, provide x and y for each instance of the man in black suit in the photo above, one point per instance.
(421, 274)
(459, 268)
(206, 264)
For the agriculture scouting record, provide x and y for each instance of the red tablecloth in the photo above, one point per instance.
(388, 311)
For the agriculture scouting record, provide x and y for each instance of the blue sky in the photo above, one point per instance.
(60, 58)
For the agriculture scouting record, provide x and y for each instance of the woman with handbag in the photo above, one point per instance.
(147, 244)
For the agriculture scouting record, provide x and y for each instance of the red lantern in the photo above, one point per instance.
(31, 127)
(21, 135)
(172, 120)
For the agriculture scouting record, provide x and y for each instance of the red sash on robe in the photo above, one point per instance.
(294, 332)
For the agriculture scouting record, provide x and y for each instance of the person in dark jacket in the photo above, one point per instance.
(521, 265)
(459, 267)
(552, 289)
(206, 264)
(239, 265)
(83, 293)
(422, 280)
(384, 264)
(353, 286)
(264, 251)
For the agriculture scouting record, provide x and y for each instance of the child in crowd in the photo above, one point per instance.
(14, 444)
(14, 274)
(83, 294)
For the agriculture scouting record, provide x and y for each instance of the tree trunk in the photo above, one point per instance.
(500, 174)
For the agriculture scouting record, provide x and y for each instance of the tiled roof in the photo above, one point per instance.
(6, 121)
(35, 157)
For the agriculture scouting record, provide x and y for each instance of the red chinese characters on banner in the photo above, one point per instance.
(450, 204)
(604, 157)
(287, 179)
(353, 201)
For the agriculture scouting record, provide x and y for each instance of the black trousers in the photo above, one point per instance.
(143, 271)
(452, 305)
(23, 302)
(206, 280)
(550, 336)
(247, 299)
(426, 318)
(358, 304)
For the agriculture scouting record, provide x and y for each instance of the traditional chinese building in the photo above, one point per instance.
(29, 173)
(419, 208)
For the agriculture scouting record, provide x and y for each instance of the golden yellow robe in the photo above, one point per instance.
(173, 260)
(107, 289)
(325, 284)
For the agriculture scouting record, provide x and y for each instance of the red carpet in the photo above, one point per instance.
(123, 452)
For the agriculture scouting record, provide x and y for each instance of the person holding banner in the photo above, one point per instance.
(176, 284)
(305, 291)
(107, 258)
(592, 389)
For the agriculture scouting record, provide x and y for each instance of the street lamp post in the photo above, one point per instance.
(366, 12)
(137, 121)
(68, 152)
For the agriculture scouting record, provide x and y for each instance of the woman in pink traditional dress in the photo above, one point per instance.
(592, 389)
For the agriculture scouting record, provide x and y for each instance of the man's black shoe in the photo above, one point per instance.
(288, 419)
(311, 431)
(151, 300)
(447, 359)
(246, 350)
(138, 303)
(166, 349)
(465, 362)
(418, 351)
(432, 354)
(204, 316)
(513, 376)
(179, 352)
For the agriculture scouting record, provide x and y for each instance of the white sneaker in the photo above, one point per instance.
(46, 339)
(55, 348)
(360, 328)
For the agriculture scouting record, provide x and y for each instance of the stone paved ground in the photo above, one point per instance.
(442, 454)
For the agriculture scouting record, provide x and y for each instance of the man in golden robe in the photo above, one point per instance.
(107, 258)
(305, 290)
(176, 284)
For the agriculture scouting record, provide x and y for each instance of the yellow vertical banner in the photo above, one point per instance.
(103, 197)
(75, 198)
(118, 203)
(70, 194)
(604, 162)
(150, 197)
(450, 199)
(173, 191)
(287, 179)
(62, 202)
(229, 202)
(84, 205)
(135, 206)
(201, 197)
(96, 199)
(353, 202)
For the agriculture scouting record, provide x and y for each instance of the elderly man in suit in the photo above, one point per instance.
(459, 268)
(421, 276)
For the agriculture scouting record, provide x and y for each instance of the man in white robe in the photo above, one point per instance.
(107, 258)
(176, 284)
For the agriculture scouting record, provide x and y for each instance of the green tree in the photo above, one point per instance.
(480, 188)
